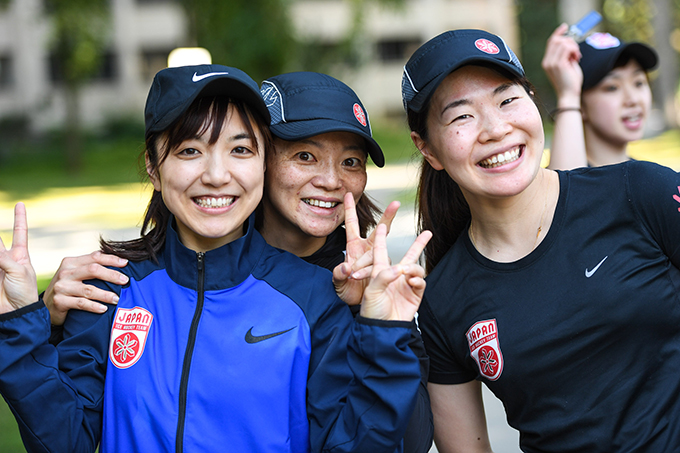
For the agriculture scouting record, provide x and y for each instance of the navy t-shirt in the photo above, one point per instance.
(580, 339)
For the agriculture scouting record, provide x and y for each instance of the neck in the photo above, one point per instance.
(602, 151)
(280, 233)
(507, 229)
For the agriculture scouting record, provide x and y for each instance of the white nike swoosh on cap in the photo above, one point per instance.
(198, 78)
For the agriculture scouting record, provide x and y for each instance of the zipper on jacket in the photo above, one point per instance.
(188, 355)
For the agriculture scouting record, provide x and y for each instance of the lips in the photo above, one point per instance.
(501, 158)
(213, 202)
(320, 203)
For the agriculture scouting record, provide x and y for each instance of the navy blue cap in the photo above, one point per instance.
(600, 52)
(174, 89)
(443, 54)
(305, 104)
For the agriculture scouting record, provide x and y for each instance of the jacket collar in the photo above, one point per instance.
(225, 267)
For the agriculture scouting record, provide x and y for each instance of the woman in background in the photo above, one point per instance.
(603, 97)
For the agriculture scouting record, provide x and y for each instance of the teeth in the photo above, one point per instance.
(500, 159)
(214, 202)
(319, 203)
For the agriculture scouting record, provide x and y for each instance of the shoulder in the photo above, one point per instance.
(308, 285)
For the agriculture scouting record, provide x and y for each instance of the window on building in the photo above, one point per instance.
(152, 61)
(106, 72)
(393, 50)
(6, 72)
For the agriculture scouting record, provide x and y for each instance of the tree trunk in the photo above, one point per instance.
(74, 138)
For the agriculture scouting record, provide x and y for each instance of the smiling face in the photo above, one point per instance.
(306, 183)
(485, 131)
(615, 109)
(212, 188)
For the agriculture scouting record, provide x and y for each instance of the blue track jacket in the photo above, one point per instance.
(245, 348)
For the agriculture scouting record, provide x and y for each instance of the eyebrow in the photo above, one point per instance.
(457, 103)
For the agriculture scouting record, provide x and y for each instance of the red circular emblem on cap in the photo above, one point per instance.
(359, 114)
(487, 46)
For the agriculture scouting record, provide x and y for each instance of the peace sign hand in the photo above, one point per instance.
(18, 284)
(394, 292)
(359, 253)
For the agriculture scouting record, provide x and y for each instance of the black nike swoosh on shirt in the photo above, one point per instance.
(250, 338)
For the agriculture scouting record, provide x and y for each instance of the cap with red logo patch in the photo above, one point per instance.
(443, 54)
(305, 104)
(601, 51)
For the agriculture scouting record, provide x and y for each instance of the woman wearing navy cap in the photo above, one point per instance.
(322, 141)
(603, 97)
(557, 290)
(218, 340)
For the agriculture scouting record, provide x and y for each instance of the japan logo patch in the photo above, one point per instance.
(359, 114)
(485, 349)
(128, 336)
(487, 46)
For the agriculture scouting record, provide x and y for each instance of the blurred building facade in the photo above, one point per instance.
(143, 32)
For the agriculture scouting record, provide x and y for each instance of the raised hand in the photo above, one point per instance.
(359, 252)
(67, 291)
(18, 284)
(394, 292)
(560, 63)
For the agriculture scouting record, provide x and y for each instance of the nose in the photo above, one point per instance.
(328, 178)
(216, 171)
(631, 95)
(494, 126)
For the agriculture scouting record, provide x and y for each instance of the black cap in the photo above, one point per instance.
(174, 89)
(600, 52)
(305, 104)
(443, 54)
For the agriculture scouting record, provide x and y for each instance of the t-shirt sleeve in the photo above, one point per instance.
(654, 191)
(445, 367)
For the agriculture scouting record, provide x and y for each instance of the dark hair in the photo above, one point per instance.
(441, 206)
(205, 114)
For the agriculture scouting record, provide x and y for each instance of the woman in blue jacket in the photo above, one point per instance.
(218, 339)
(322, 143)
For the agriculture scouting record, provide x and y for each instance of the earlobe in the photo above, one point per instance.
(425, 151)
(153, 175)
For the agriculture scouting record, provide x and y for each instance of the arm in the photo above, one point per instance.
(459, 420)
(560, 64)
(363, 376)
(54, 412)
(68, 291)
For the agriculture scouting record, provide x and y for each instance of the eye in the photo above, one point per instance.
(352, 162)
(462, 117)
(509, 100)
(609, 88)
(189, 152)
(305, 156)
(241, 150)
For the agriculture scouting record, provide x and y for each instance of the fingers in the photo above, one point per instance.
(351, 218)
(380, 256)
(387, 217)
(413, 253)
(20, 232)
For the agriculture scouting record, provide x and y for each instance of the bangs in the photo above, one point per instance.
(207, 115)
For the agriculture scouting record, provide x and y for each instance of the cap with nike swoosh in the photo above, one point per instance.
(174, 89)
